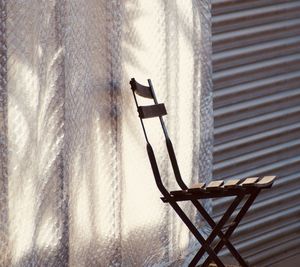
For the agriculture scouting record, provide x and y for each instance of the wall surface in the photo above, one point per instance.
(256, 75)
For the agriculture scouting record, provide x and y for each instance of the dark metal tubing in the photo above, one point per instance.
(156, 172)
(236, 221)
(150, 152)
(196, 233)
(218, 228)
(212, 223)
(155, 101)
(170, 148)
(142, 123)
(211, 194)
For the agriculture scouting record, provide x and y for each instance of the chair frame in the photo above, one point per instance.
(246, 188)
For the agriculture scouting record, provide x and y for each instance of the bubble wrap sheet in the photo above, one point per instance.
(76, 188)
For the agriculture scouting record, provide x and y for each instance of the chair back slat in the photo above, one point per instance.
(141, 90)
(146, 112)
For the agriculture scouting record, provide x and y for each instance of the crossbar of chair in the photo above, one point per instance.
(217, 229)
(204, 195)
(205, 244)
(156, 110)
(231, 228)
(212, 223)
(196, 233)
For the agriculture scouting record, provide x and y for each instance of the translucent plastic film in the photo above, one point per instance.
(76, 186)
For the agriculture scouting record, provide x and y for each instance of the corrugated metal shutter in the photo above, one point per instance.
(256, 74)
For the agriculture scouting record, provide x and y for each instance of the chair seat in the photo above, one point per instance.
(230, 186)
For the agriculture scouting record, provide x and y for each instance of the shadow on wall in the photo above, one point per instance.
(68, 97)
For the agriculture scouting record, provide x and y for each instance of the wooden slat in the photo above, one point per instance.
(215, 184)
(197, 187)
(249, 181)
(265, 181)
(146, 112)
(231, 183)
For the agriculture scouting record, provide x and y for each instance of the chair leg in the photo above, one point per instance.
(231, 229)
(217, 229)
(196, 233)
(212, 223)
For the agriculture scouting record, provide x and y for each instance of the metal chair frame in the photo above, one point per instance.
(242, 189)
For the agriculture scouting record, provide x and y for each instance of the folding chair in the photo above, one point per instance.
(248, 188)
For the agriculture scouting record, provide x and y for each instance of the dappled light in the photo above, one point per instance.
(80, 188)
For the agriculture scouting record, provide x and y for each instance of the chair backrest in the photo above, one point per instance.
(157, 110)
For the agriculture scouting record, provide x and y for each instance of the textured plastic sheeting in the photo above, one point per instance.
(76, 186)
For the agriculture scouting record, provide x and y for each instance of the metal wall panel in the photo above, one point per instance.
(256, 74)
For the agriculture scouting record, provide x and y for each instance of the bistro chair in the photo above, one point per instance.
(240, 189)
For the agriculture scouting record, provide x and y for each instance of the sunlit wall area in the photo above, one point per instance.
(76, 186)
